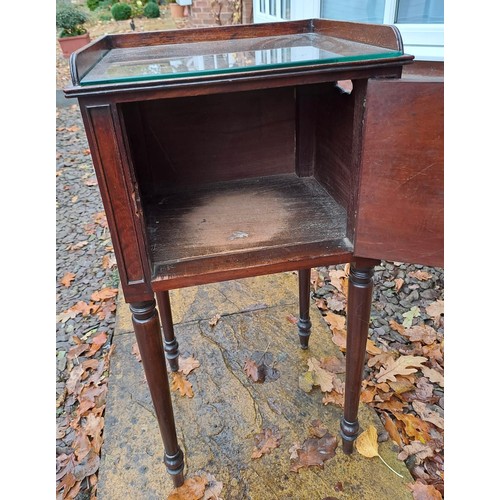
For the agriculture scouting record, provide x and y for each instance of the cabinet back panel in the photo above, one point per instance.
(204, 139)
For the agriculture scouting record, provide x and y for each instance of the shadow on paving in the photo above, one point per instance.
(217, 426)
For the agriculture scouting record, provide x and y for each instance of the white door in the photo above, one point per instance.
(421, 22)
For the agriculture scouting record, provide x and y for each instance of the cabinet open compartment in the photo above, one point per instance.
(243, 181)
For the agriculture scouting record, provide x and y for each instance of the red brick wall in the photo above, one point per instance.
(201, 14)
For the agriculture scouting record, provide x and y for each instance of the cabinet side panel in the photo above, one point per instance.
(401, 196)
(338, 135)
(102, 131)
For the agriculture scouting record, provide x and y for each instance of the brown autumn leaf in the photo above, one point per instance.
(421, 333)
(423, 491)
(316, 429)
(336, 302)
(320, 376)
(136, 352)
(420, 275)
(92, 181)
(397, 327)
(367, 394)
(88, 466)
(392, 429)
(214, 320)
(380, 359)
(192, 489)
(414, 426)
(371, 348)
(77, 246)
(187, 365)
(180, 383)
(404, 365)
(336, 321)
(213, 488)
(333, 364)
(435, 310)
(417, 449)
(292, 319)
(106, 309)
(97, 342)
(337, 278)
(433, 375)
(108, 261)
(427, 414)
(104, 294)
(73, 128)
(424, 390)
(402, 384)
(265, 442)
(77, 350)
(393, 405)
(256, 373)
(316, 280)
(80, 307)
(333, 397)
(314, 452)
(339, 338)
(81, 444)
(100, 219)
(399, 282)
(67, 279)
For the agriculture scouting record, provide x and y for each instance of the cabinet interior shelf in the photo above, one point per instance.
(230, 225)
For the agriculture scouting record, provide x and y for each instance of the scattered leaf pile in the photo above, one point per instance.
(201, 486)
(404, 375)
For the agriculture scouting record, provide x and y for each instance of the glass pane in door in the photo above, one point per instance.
(420, 12)
(366, 11)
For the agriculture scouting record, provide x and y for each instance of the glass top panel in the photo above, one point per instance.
(227, 56)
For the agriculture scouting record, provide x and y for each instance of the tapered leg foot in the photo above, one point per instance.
(358, 318)
(171, 345)
(148, 334)
(304, 323)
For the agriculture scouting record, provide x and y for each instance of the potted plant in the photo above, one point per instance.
(176, 10)
(70, 20)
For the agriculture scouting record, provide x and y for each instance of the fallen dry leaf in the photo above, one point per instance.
(333, 364)
(404, 365)
(414, 426)
(254, 372)
(192, 489)
(433, 375)
(187, 365)
(77, 350)
(265, 442)
(392, 429)
(181, 384)
(97, 342)
(214, 320)
(136, 352)
(108, 261)
(67, 279)
(397, 327)
(418, 449)
(420, 275)
(427, 414)
(408, 316)
(367, 445)
(213, 488)
(435, 310)
(425, 492)
(314, 452)
(337, 278)
(399, 282)
(104, 294)
(316, 429)
(421, 333)
(77, 246)
(336, 321)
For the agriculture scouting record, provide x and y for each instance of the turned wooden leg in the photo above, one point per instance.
(170, 342)
(358, 319)
(147, 332)
(304, 323)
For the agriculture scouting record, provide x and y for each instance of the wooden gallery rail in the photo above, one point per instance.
(229, 152)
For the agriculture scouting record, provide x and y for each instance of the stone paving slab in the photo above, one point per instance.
(216, 427)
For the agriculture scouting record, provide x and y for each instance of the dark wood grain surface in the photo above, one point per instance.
(401, 201)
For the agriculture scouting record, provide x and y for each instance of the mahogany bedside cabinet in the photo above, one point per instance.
(229, 152)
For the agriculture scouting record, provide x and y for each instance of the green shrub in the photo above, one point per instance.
(93, 4)
(151, 10)
(70, 20)
(121, 11)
